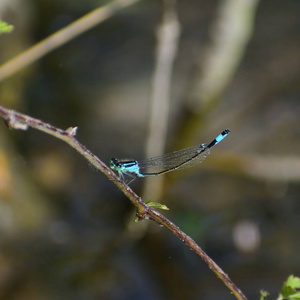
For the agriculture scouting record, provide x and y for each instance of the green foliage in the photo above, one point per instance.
(157, 205)
(5, 27)
(154, 205)
(263, 294)
(290, 289)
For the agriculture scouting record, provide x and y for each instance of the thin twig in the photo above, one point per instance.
(230, 35)
(167, 44)
(61, 37)
(15, 120)
(198, 250)
(270, 168)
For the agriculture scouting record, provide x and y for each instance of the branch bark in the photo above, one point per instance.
(15, 120)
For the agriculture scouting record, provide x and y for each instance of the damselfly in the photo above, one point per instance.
(176, 160)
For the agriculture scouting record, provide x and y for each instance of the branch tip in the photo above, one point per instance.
(71, 131)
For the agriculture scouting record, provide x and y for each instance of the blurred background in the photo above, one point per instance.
(67, 232)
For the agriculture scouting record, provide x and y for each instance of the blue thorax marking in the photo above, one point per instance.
(125, 167)
(131, 167)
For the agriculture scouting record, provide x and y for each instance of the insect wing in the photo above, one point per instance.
(176, 160)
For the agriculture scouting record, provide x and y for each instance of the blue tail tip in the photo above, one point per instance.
(219, 138)
(225, 132)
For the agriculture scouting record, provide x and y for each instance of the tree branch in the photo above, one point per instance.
(61, 37)
(15, 120)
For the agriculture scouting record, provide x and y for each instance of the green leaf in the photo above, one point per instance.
(157, 205)
(293, 282)
(5, 28)
(289, 289)
(263, 294)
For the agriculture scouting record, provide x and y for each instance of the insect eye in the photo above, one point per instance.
(114, 162)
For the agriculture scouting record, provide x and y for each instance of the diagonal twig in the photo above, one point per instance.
(15, 120)
(61, 37)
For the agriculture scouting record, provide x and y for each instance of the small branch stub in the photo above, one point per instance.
(72, 131)
(12, 122)
(141, 216)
